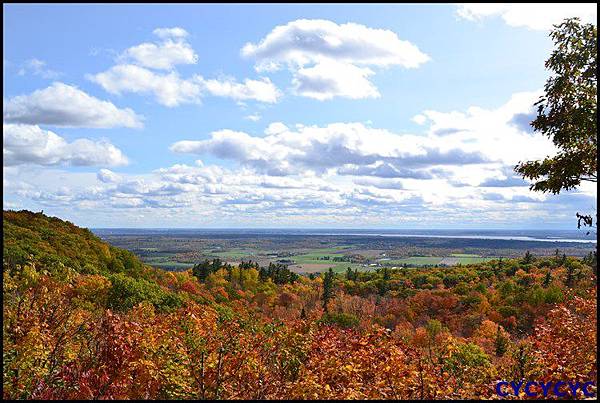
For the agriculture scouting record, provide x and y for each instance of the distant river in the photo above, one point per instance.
(572, 236)
(503, 237)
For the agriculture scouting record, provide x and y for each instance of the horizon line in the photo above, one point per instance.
(345, 228)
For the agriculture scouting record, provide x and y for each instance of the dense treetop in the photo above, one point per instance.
(50, 240)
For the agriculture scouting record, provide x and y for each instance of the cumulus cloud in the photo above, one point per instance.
(171, 90)
(168, 89)
(305, 41)
(532, 16)
(329, 175)
(67, 106)
(165, 55)
(330, 60)
(456, 150)
(380, 183)
(29, 144)
(419, 119)
(384, 170)
(330, 79)
(500, 133)
(276, 127)
(186, 195)
(285, 151)
(108, 176)
(136, 72)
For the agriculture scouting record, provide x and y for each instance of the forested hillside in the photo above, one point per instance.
(82, 319)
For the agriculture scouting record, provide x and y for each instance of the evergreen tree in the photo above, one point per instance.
(327, 289)
(591, 260)
(262, 274)
(500, 343)
(547, 279)
(202, 270)
(570, 276)
(383, 284)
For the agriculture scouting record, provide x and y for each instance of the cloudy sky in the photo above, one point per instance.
(353, 116)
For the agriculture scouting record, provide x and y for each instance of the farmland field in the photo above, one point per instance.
(180, 250)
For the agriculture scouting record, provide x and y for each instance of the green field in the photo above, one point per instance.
(475, 259)
(463, 255)
(312, 262)
(237, 254)
(414, 261)
(166, 262)
(453, 259)
(171, 265)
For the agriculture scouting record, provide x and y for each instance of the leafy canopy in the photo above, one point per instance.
(567, 112)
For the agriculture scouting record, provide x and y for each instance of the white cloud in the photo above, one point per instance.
(193, 196)
(330, 60)
(168, 89)
(502, 134)
(329, 79)
(29, 144)
(67, 106)
(38, 67)
(307, 41)
(108, 176)
(324, 175)
(318, 149)
(255, 117)
(173, 50)
(468, 148)
(166, 33)
(262, 90)
(536, 16)
(133, 74)
(276, 127)
(171, 90)
(419, 119)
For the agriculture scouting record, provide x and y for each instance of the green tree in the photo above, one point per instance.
(202, 270)
(591, 260)
(570, 280)
(547, 279)
(467, 362)
(500, 343)
(327, 289)
(567, 113)
(343, 320)
(384, 283)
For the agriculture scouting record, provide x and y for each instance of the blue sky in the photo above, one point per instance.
(279, 115)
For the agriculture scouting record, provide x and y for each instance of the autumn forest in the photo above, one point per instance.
(85, 320)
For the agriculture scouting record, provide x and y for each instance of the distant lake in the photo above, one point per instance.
(573, 236)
